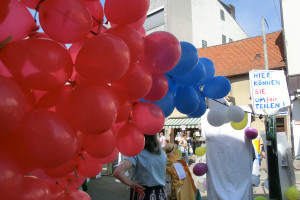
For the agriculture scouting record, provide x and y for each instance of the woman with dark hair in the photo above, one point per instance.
(147, 171)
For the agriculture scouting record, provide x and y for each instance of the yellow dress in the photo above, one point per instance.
(183, 189)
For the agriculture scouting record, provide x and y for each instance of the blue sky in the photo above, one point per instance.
(249, 13)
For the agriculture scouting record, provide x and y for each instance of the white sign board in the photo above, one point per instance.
(268, 91)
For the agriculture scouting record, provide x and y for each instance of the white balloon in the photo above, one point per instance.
(235, 113)
(217, 115)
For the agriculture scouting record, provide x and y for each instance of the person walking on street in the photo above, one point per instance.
(162, 140)
(184, 148)
(147, 171)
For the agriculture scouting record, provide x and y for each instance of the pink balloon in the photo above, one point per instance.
(104, 58)
(101, 145)
(159, 88)
(92, 109)
(125, 12)
(159, 46)
(34, 189)
(131, 140)
(65, 21)
(12, 106)
(18, 23)
(148, 117)
(11, 177)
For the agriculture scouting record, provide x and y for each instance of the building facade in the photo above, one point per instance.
(203, 23)
(290, 19)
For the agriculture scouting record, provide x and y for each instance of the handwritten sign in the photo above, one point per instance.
(268, 90)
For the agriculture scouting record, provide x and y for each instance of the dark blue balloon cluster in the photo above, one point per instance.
(190, 81)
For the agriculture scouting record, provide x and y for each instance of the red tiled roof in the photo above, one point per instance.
(242, 56)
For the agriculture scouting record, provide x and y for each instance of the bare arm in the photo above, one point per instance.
(120, 171)
(181, 143)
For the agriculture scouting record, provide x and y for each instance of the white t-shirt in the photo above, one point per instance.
(162, 140)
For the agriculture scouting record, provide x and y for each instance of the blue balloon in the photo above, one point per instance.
(194, 77)
(188, 60)
(209, 69)
(186, 99)
(167, 103)
(217, 88)
(201, 109)
(172, 84)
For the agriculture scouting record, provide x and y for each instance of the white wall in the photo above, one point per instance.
(291, 28)
(196, 20)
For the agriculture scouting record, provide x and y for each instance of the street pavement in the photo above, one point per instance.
(108, 188)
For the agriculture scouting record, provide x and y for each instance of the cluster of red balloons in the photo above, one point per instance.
(64, 112)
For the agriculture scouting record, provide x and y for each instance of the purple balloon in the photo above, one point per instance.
(251, 133)
(200, 169)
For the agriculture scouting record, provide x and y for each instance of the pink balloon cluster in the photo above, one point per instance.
(64, 112)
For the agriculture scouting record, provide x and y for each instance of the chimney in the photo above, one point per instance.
(232, 10)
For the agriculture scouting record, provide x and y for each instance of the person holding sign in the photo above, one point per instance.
(147, 171)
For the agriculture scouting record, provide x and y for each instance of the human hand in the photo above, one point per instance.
(137, 187)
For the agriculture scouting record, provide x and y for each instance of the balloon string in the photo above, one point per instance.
(37, 8)
(5, 41)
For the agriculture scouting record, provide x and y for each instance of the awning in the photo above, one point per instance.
(177, 122)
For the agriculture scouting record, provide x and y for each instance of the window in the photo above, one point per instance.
(230, 40)
(154, 20)
(223, 39)
(204, 44)
(222, 14)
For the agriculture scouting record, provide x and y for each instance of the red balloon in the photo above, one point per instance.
(12, 105)
(96, 10)
(103, 58)
(63, 169)
(72, 181)
(11, 178)
(110, 158)
(159, 88)
(74, 48)
(76, 195)
(101, 145)
(34, 189)
(142, 31)
(30, 3)
(57, 192)
(42, 64)
(125, 12)
(65, 21)
(132, 38)
(135, 84)
(4, 71)
(159, 46)
(47, 138)
(18, 22)
(93, 109)
(56, 100)
(88, 166)
(148, 117)
(124, 111)
(131, 140)
(4, 9)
